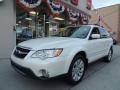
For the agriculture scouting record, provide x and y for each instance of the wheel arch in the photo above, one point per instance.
(111, 47)
(70, 59)
(83, 54)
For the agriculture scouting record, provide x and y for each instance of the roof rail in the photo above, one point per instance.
(91, 24)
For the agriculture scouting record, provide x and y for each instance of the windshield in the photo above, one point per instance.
(76, 32)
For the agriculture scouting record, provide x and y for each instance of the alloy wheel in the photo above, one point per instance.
(78, 70)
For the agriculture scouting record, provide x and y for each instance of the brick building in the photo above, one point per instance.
(108, 17)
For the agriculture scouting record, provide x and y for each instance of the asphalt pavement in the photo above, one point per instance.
(99, 76)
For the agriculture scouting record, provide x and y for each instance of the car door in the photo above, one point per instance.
(94, 46)
(105, 40)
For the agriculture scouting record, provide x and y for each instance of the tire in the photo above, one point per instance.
(76, 70)
(109, 56)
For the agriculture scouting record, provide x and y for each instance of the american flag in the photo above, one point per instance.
(100, 20)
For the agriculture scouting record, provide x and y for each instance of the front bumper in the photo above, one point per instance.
(22, 70)
(39, 68)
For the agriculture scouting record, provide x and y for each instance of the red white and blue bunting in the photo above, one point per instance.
(55, 6)
(30, 3)
(73, 15)
(75, 2)
(84, 18)
(89, 4)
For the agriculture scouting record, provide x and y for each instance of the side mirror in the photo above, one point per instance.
(95, 36)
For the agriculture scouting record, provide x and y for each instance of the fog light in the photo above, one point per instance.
(44, 73)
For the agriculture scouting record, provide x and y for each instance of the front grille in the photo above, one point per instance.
(21, 52)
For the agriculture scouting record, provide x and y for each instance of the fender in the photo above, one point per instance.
(70, 57)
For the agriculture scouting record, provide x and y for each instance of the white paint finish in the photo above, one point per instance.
(1, 0)
(7, 21)
(94, 49)
(50, 42)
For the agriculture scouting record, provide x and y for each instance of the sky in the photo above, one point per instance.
(104, 3)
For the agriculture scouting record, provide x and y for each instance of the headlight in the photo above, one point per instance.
(47, 53)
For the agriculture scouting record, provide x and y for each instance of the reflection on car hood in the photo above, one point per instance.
(51, 42)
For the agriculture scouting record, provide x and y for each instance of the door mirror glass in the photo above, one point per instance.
(95, 36)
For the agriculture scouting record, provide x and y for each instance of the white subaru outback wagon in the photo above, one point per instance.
(69, 55)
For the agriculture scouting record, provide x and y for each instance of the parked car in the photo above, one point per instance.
(69, 56)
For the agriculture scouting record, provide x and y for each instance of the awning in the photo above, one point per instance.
(73, 15)
(59, 6)
(29, 5)
(76, 14)
(56, 7)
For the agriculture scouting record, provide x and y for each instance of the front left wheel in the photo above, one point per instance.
(77, 70)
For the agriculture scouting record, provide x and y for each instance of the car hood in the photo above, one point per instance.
(50, 42)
